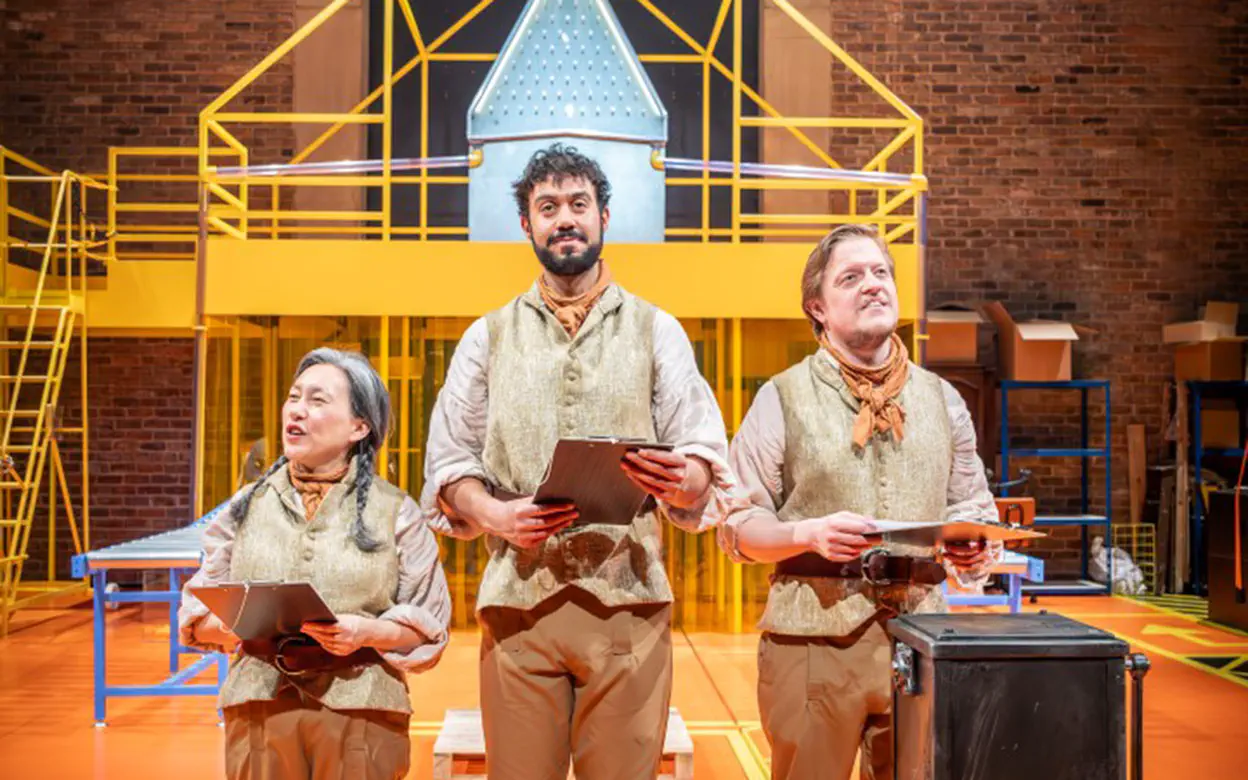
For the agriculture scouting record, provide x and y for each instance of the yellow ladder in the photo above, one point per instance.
(39, 322)
(26, 443)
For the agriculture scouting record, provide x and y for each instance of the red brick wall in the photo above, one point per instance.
(81, 77)
(140, 404)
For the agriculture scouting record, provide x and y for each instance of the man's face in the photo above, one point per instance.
(857, 304)
(565, 225)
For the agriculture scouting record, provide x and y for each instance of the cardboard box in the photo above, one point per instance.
(1217, 321)
(1210, 361)
(1207, 349)
(953, 334)
(1032, 351)
(1219, 423)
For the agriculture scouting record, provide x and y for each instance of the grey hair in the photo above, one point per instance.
(370, 402)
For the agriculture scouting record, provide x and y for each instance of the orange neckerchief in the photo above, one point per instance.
(571, 311)
(876, 390)
(313, 487)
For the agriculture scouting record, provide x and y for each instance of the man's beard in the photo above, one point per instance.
(568, 265)
(863, 340)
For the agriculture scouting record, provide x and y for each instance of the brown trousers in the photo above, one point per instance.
(290, 739)
(823, 698)
(573, 679)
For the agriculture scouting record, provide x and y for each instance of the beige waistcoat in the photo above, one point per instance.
(275, 542)
(544, 385)
(823, 473)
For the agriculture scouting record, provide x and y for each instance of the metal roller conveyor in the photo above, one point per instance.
(179, 552)
(180, 548)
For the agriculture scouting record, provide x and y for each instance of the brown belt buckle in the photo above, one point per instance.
(875, 567)
(279, 659)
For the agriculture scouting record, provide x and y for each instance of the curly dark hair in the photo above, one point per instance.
(559, 162)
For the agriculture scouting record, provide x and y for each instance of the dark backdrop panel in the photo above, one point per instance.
(453, 86)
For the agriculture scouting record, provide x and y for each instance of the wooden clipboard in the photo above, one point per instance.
(587, 473)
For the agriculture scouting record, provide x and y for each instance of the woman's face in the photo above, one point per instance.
(318, 428)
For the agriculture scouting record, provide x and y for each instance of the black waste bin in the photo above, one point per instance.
(1023, 697)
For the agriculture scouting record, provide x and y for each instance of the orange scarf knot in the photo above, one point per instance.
(876, 390)
(313, 488)
(571, 310)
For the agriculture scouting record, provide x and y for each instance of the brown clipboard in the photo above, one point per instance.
(934, 534)
(265, 610)
(587, 473)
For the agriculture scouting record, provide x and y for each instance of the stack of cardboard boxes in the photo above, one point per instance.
(1207, 349)
(1029, 351)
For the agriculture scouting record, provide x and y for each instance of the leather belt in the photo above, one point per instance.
(876, 567)
(298, 656)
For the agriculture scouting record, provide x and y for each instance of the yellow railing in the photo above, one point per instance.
(152, 203)
(234, 208)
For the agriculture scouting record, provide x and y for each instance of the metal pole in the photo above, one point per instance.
(1197, 534)
(1138, 665)
(1005, 438)
(99, 639)
(201, 354)
(1109, 493)
(920, 343)
(1083, 492)
(737, 32)
(738, 406)
(175, 646)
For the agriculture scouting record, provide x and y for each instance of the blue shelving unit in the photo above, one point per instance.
(1085, 518)
(1197, 392)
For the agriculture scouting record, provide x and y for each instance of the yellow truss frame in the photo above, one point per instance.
(230, 209)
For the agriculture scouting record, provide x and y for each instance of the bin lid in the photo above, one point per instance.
(985, 636)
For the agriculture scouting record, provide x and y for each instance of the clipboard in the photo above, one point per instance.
(265, 610)
(587, 473)
(934, 534)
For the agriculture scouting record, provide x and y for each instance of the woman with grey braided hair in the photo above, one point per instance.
(333, 699)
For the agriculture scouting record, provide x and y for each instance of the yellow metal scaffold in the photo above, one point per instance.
(43, 308)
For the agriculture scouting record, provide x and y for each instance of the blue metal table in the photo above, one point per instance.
(179, 551)
(1015, 567)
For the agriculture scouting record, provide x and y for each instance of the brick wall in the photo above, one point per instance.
(140, 403)
(81, 77)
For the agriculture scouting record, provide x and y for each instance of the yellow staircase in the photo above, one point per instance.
(42, 309)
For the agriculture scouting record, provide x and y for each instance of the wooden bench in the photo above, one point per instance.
(459, 752)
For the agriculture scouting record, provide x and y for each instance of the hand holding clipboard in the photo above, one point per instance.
(603, 478)
(265, 610)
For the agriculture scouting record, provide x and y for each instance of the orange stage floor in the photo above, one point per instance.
(1196, 722)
